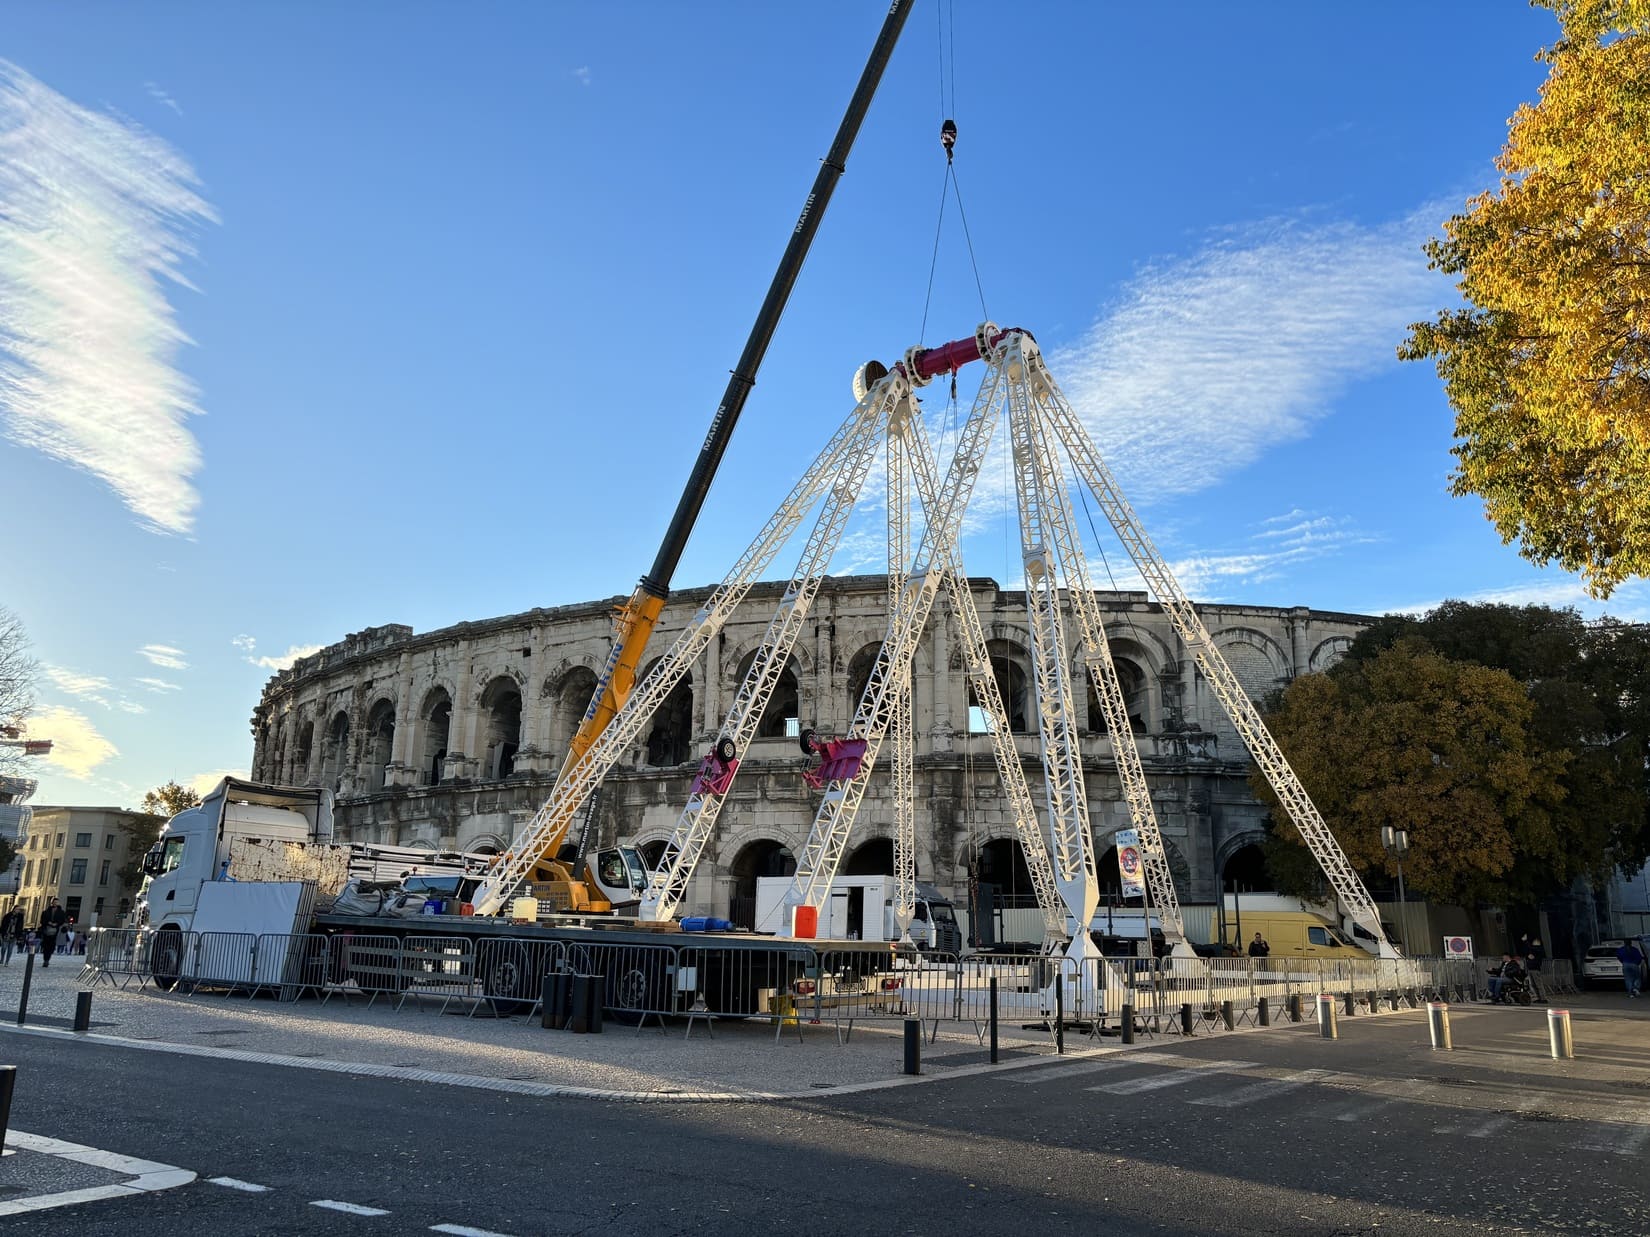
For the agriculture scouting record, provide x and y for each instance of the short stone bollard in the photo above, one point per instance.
(1186, 1019)
(1438, 1024)
(1326, 1017)
(913, 1046)
(1558, 1035)
(1263, 1013)
(1351, 1005)
(1294, 1007)
(1128, 1022)
(82, 1011)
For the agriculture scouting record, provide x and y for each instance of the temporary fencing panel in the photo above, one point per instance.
(438, 966)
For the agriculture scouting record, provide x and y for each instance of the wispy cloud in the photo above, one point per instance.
(1630, 602)
(245, 643)
(77, 747)
(159, 685)
(87, 686)
(582, 75)
(165, 656)
(1205, 362)
(160, 96)
(285, 660)
(94, 220)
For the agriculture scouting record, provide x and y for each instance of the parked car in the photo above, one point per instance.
(1601, 966)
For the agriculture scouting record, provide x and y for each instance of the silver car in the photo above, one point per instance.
(1601, 966)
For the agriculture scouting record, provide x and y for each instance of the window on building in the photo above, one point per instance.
(57, 868)
(97, 909)
(61, 838)
(72, 906)
(28, 871)
(77, 872)
(109, 842)
(82, 841)
(103, 873)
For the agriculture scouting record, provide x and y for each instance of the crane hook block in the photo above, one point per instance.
(948, 137)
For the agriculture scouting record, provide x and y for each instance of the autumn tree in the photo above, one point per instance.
(142, 831)
(1547, 365)
(1440, 747)
(18, 676)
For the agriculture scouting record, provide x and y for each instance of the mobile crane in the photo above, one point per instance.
(537, 854)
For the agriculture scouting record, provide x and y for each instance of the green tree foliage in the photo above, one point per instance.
(1548, 364)
(1566, 763)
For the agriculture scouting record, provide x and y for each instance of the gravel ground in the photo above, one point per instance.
(743, 1058)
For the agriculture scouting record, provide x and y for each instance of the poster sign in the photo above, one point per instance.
(1129, 866)
(1458, 947)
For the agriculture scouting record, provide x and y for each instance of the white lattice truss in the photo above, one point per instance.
(1041, 425)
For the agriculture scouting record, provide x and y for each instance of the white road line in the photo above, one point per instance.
(1033, 1077)
(463, 1230)
(1190, 1072)
(147, 1175)
(354, 1209)
(233, 1183)
(1264, 1090)
(1359, 1111)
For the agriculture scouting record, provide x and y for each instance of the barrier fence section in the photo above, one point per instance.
(790, 983)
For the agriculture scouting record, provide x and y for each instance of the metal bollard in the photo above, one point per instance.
(1438, 1023)
(993, 1020)
(23, 997)
(1226, 1015)
(1059, 1014)
(1327, 1026)
(1263, 1013)
(1392, 999)
(8, 1083)
(82, 1011)
(1186, 1020)
(1558, 1035)
(1351, 1005)
(913, 1046)
(1128, 1023)
(1410, 998)
(1294, 1007)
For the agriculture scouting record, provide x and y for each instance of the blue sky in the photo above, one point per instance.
(317, 317)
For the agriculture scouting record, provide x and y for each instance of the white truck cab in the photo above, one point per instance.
(197, 845)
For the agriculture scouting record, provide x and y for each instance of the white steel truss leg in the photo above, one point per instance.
(1343, 878)
(902, 782)
(667, 885)
(822, 853)
(545, 831)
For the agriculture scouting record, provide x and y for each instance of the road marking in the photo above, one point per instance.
(147, 1175)
(463, 1230)
(1190, 1072)
(1265, 1090)
(354, 1209)
(1033, 1077)
(233, 1183)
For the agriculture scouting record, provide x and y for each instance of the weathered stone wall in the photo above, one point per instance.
(452, 738)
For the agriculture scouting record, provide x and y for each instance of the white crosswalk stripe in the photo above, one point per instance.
(1255, 1092)
(1190, 1072)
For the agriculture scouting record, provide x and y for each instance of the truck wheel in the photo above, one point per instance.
(725, 750)
(166, 958)
(509, 981)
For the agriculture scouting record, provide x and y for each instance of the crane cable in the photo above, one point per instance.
(949, 185)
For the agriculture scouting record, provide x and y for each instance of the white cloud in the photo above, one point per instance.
(77, 747)
(86, 686)
(1629, 602)
(1206, 362)
(245, 643)
(582, 75)
(201, 783)
(285, 660)
(159, 685)
(130, 706)
(159, 95)
(94, 220)
(165, 656)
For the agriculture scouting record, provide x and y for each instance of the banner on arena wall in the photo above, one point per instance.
(1458, 947)
(1129, 865)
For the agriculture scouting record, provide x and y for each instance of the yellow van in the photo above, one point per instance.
(1290, 934)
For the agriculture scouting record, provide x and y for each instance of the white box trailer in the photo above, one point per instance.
(861, 908)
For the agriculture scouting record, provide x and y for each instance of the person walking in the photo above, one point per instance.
(1258, 948)
(1632, 964)
(52, 920)
(11, 927)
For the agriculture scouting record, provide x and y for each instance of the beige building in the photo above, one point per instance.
(452, 738)
(75, 854)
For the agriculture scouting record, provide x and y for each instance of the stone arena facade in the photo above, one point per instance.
(451, 739)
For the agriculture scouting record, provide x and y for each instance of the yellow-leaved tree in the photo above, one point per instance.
(1548, 364)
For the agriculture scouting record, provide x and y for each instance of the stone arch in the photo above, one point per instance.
(337, 748)
(1137, 701)
(1328, 652)
(759, 856)
(378, 742)
(1241, 840)
(670, 734)
(1260, 663)
(305, 753)
(1142, 645)
(784, 709)
(573, 689)
(652, 850)
(486, 844)
(1001, 861)
(872, 857)
(500, 704)
(435, 724)
(1011, 667)
(859, 673)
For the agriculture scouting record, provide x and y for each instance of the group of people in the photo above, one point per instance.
(1513, 980)
(54, 933)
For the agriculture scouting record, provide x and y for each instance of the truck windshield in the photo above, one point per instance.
(172, 854)
(638, 869)
(941, 912)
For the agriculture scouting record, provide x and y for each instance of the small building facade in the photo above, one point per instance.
(76, 855)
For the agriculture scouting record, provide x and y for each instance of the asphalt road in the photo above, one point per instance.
(1279, 1132)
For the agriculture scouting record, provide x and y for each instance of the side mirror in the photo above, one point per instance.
(152, 860)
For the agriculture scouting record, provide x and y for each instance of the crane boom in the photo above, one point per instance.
(635, 620)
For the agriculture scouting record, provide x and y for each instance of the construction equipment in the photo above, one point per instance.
(536, 854)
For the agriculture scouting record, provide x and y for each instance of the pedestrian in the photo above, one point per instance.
(1258, 948)
(11, 926)
(1509, 972)
(1632, 962)
(52, 920)
(1534, 954)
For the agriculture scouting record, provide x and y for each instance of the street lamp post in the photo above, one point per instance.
(1396, 843)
